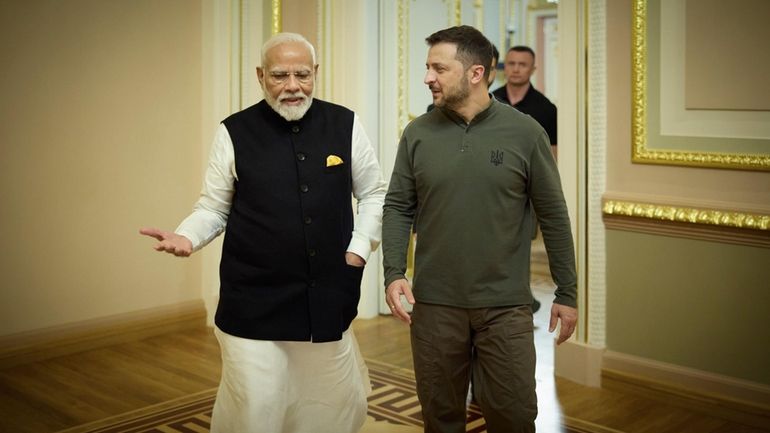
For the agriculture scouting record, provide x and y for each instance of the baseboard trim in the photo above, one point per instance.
(583, 426)
(578, 362)
(56, 341)
(729, 398)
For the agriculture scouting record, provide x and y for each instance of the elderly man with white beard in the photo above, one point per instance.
(280, 179)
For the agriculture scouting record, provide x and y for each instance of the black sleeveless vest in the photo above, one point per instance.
(283, 273)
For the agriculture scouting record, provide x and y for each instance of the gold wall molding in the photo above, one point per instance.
(501, 28)
(742, 220)
(640, 152)
(541, 5)
(478, 9)
(276, 18)
(458, 12)
(323, 57)
(402, 101)
(727, 226)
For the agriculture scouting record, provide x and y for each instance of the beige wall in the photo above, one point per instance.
(101, 109)
(721, 70)
(692, 303)
(301, 16)
(730, 188)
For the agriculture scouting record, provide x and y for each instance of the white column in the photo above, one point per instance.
(349, 39)
(232, 39)
(579, 359)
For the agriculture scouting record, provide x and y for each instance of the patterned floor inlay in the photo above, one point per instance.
(393, 400)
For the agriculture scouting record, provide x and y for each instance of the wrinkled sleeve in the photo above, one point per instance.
(369, 191)
(209, 216)
(398, 215)
(551, 210)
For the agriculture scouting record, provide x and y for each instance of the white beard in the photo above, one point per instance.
(289, 112)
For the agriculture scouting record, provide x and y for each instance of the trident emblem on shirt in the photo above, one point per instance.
(496, 157)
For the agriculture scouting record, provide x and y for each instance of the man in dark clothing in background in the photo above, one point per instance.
(519, 92)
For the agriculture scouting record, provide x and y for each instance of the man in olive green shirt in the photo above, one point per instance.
(466, 178)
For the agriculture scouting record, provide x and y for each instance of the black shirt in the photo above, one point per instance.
(536, 105)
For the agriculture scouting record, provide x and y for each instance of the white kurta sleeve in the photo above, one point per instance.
(209, 216)
(369, 190)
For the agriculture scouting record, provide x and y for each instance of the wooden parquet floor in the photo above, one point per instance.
(60, 393)
(63, 392)
(393, 407)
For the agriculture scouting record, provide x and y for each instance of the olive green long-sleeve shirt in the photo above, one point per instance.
(468, 190)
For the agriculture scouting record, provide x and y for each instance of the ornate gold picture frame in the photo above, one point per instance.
(642, 151)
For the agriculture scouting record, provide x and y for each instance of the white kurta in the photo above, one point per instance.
(281, 386)
(290, 387)
(209, 217)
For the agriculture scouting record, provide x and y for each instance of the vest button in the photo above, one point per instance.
(301, 156)
(312, 283)
(295, 129)
(311, 252)
(304, 188)
(308, 220)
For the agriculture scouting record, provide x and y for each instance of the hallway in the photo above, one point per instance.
(63, 392)
(75, 389)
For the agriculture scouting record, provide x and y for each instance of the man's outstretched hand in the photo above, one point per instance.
(169, 242)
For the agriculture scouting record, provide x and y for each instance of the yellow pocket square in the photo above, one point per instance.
(333, 160)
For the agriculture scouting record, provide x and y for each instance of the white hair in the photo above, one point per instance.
(280, 38)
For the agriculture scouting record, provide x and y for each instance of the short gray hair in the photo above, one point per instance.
(281, 38)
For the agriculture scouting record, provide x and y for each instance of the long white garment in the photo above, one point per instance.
(210, 213)
(290, 387)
